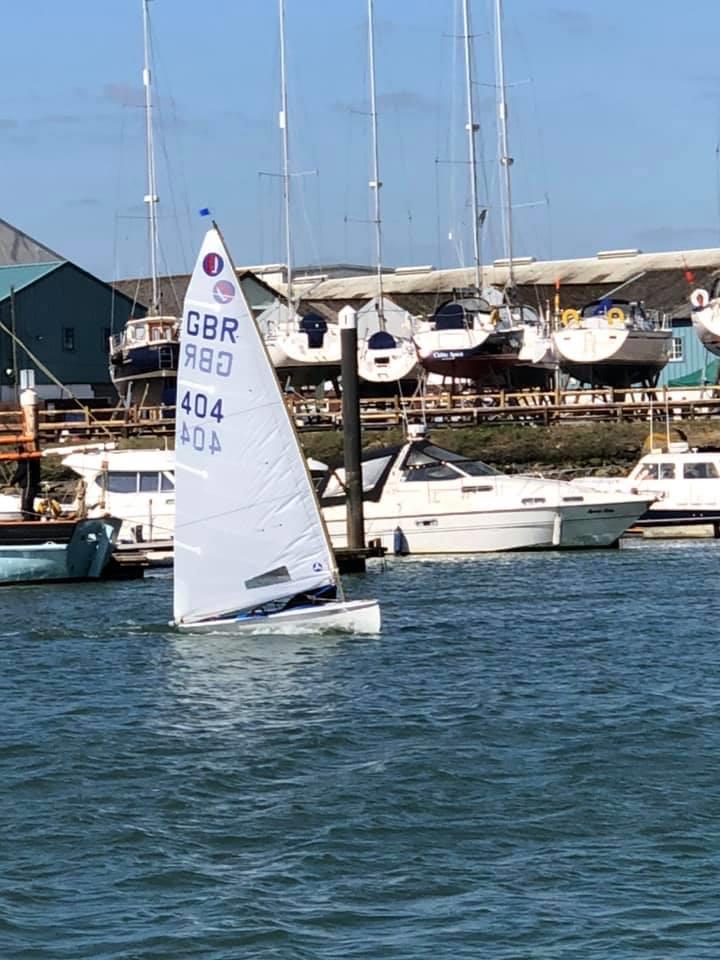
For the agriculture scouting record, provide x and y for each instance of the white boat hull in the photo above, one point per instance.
(707, 326)
(342, 616)
(571, 526)
(387, 366)
(612, 356)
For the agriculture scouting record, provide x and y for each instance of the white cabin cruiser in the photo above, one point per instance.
(136, 486)
(420, 498)
(612, 343)
(684, 482)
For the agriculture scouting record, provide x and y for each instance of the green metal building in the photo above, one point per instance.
(62, 317)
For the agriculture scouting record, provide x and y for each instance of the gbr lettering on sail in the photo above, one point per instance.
(207, 337)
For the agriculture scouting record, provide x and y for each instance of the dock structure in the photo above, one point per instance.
(542, 408)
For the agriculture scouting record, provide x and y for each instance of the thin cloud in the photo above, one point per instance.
(123, 95)
(678, 238)
(58, 119)
(400, 100)
(577, 23)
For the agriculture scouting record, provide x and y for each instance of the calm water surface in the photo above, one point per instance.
(525, 765)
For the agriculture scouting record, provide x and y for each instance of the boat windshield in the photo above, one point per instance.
(429, 454)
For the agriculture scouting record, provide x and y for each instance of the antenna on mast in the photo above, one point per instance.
(151, 198)
(472, 129)
(376, 182)
(283, 124)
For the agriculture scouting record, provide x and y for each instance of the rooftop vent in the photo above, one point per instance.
(617, 254)
(424, 269)
(517, 261)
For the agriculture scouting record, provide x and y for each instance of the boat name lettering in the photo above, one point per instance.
(200, 439)
(211, 327)
(198, 405)
(447, 354)
(207, 360)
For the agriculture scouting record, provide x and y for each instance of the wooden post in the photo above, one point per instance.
(347, 320)
(31, 423)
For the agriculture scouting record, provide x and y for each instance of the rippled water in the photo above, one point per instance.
(525, 765)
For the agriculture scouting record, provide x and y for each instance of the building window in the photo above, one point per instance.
(676, 350)
(68, 338)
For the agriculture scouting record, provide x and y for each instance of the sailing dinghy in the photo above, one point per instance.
(252, 554)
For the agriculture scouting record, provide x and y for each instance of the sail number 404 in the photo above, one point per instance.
(198, 405)
(201, 439)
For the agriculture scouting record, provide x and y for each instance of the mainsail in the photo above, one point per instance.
(248, 528)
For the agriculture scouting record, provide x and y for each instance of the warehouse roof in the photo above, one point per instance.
(19, 276)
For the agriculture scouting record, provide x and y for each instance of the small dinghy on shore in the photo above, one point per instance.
(252, 554)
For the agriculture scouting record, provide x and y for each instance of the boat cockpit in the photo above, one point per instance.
(145, 331)
(624, 314)
(314, 327)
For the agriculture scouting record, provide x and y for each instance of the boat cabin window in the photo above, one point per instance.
(656, 471)
(432, 471)
(131, 481)
(700, 471)
(476, 468)
(430, 454)
(372, 472)
(120, 481)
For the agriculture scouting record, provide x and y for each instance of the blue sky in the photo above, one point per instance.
(614, 110)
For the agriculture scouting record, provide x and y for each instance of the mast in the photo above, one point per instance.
(151, 198)
(506, 160)
(472, 128)
(376, 183)
(283, 123)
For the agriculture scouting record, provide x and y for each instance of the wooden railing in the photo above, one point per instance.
(537, 407)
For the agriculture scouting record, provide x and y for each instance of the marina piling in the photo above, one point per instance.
(351, 428)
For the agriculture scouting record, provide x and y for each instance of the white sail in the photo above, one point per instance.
(248, 528)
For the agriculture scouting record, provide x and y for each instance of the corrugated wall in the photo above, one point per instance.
(64, 318)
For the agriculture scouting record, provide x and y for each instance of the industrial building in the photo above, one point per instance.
(61, 316)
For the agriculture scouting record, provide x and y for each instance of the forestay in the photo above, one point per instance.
(248, 529)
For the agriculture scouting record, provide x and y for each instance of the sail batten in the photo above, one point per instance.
(248, 524)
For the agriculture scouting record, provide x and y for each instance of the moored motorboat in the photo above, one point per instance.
(420, 498)
(42, 551)
(684, 482)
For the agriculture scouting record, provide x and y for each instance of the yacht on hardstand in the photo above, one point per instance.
(469, 339)
(612, 343)
(144, 357)
(420, 498)
(706, 317)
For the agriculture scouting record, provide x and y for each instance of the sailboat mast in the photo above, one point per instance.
(472, 128)
(506, 160)
(375, 183)
(283, 123)
(151, 198)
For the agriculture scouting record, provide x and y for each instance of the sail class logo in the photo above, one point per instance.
(213, 264)
(223, 291)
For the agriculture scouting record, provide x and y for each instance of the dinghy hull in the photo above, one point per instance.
(351, 616)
